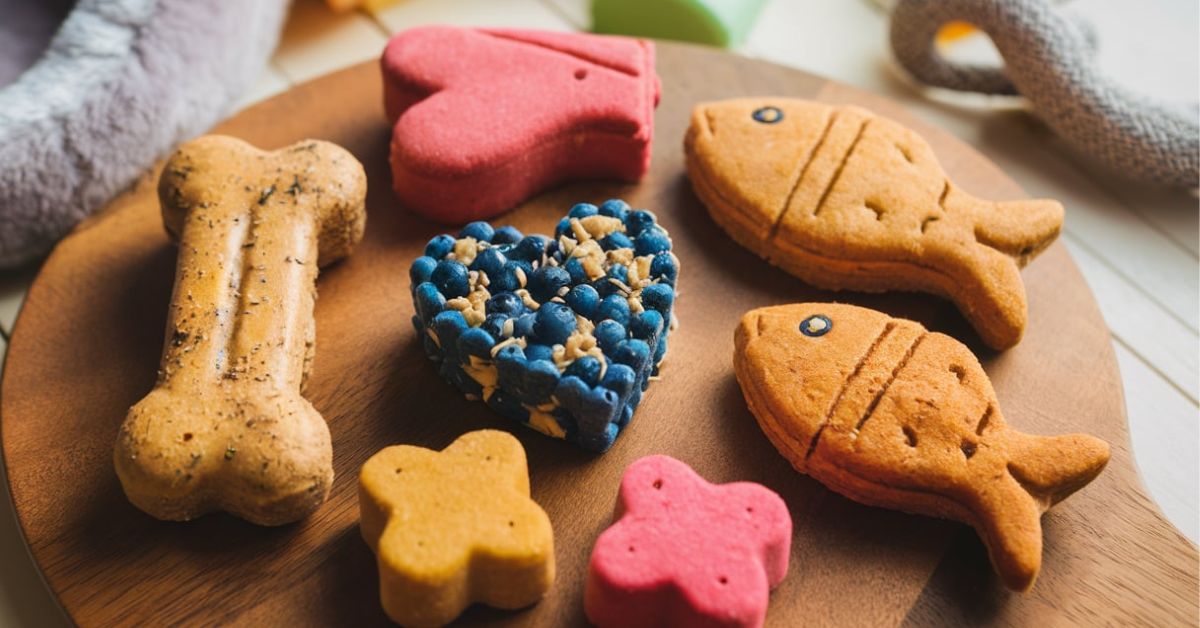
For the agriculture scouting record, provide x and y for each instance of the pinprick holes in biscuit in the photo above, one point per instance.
(723, 580)
(928, 221)
(399, 470)
(580, 74)
(631, 550)
(910, 436)
(904, 151)
(968, 449)
(187, 436)
(959, 372)
(657, 484)
(512, 524)
(749, 510)
(874, 206)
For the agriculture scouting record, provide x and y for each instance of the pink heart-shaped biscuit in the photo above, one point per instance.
(685, 552)
(485, 118)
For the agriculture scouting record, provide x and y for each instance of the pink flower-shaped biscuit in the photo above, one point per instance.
(685, 552)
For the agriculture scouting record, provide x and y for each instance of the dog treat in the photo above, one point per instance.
(485, 118)
(455, 527)
(889, 414)
(225, 427)
(684, 552)
(562, 334)
(845, 199)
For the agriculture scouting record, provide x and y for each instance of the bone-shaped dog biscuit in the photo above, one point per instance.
(225, 427)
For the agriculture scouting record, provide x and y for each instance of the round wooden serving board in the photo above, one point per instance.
(88, 341)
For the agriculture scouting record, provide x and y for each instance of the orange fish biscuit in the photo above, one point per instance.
(455, 527)
(845, 199)
(889, 414)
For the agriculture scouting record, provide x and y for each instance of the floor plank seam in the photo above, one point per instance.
(1150, 365)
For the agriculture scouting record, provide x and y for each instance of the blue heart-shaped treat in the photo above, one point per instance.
(560, 334)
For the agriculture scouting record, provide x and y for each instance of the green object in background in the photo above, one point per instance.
(715, 22)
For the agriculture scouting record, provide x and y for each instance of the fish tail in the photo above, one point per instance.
(1050, 468)
(1018, 229)
(1041, 471)
(1009, 521)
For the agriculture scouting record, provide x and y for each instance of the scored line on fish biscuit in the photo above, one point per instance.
(984, 420)
(842, 166)
(883, 390)
(812, 154)
(837, 400)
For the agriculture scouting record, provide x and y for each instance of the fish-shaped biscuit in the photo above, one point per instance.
(846, 199)
(889, 414)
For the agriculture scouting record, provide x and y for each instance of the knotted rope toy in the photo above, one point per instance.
(1048, 60)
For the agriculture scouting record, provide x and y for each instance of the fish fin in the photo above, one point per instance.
(1050, 468)
(1018, 229)
(1010, 524)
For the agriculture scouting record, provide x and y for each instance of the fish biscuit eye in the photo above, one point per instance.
(767, 115)
(816, 325)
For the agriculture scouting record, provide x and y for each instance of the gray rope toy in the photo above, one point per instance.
(1048, 60)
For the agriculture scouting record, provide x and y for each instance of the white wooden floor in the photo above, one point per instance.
(1138, 247)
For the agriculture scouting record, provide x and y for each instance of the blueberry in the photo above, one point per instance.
(574, 268)
(554, 323)
(506, 235)
(494, 325)
(510, 355)
(563, 227)
(479, 230)
(616, 240)
(620, 273)
(663, 267)
(539, 352)
(633, 353)
(604, 287)
(659, 297)
(505, 280)
(620, 379)
(538, 382)
(552, 250)
(508, 406)
(450, 276)
(584, 300)
(523, 325)
(646, 325)
(448, 325)
(428, 301)
(608, 335)
(614, 307)
(490, 261)
(582, 210)
(420, 270)
(546, 281)
(476, 342)
(529, 249)
(651, 242)
(504, 303)
(525, 266)
(586, 369)
(614, 208)
(593, 408)
(439, 246)
(636, 221)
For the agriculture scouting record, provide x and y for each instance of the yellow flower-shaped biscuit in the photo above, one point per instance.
(455, 527)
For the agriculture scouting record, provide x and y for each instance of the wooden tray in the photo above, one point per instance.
(88, 340)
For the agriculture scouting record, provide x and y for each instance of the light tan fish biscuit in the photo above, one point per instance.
(846, 199)
(889, 414)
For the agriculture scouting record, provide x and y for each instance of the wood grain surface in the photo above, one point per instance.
(88, 341)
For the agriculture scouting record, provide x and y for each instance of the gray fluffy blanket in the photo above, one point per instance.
(121, 83)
